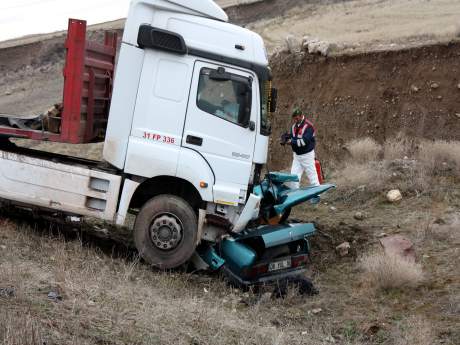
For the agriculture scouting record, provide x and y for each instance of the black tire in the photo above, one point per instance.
(146, 225)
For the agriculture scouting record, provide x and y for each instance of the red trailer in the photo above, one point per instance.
(88, 79)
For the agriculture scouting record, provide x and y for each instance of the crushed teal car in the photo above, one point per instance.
(272, 248)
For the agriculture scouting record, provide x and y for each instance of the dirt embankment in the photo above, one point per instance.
(31, 78)
(268, 9)
(415, 92)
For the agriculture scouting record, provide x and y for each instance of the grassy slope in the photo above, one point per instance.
(109, 298)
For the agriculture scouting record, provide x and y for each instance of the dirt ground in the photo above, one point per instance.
(106, 296)
(356, 26)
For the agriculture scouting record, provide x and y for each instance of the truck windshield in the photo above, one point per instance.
(265, 89)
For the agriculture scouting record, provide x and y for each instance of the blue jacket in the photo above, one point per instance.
(303, 137)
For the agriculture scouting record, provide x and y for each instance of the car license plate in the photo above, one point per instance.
(279, 265)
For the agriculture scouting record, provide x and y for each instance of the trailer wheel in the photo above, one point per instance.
(165, 231)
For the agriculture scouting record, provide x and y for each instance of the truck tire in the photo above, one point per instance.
(165, 231)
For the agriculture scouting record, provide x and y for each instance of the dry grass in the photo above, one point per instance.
(402, 163)
(370, 176)
(19, 329)
(415, 331)
(107, 300)
(447, 229)
(398, 148)
(383, 272)
(364, 150)
(440, 156)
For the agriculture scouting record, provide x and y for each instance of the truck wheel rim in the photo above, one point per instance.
(166, 231)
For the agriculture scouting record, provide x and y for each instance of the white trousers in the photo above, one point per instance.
(301, 163)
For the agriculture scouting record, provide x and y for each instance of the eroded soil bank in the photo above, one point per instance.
(414, 92)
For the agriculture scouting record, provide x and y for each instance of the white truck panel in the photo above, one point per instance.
(192, 167)
(129, 187)
(226, 193)
(123, 102)
(217, 37)
(261, 149)
(163, 94)
(143, 11)
(150, 158)
(63, 187)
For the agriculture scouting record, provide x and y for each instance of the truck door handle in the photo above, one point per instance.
(192, 140)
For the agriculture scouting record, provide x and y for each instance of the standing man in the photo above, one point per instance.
(303, 144)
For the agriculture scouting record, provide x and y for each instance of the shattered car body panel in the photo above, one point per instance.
(263, 253)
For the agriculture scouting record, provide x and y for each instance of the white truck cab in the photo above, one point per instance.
(189, 99)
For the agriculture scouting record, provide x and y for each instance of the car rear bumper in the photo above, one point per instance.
(266, 278)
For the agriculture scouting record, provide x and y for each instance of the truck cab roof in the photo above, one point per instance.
(205, 8)
(203, 25)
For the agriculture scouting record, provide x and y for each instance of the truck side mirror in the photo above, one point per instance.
(273, 99)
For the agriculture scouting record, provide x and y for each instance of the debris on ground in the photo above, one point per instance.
(316, 46)
(359, 215)
(330, 339)
(343, 249)
(316, 310)
(394, 195)
(400, 246)
(7, 292)
(54, 296)
(50, 120)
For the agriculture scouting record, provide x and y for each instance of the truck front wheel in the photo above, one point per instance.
(165, 231)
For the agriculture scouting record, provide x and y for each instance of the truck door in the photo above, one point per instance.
(220, 125)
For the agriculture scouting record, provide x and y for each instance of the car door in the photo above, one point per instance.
(220, 125)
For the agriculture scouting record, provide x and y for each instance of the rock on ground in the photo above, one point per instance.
(394, 195)
(343, 249)
(359, 215)
(400, 246)
(316, 46)
(293, 44)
